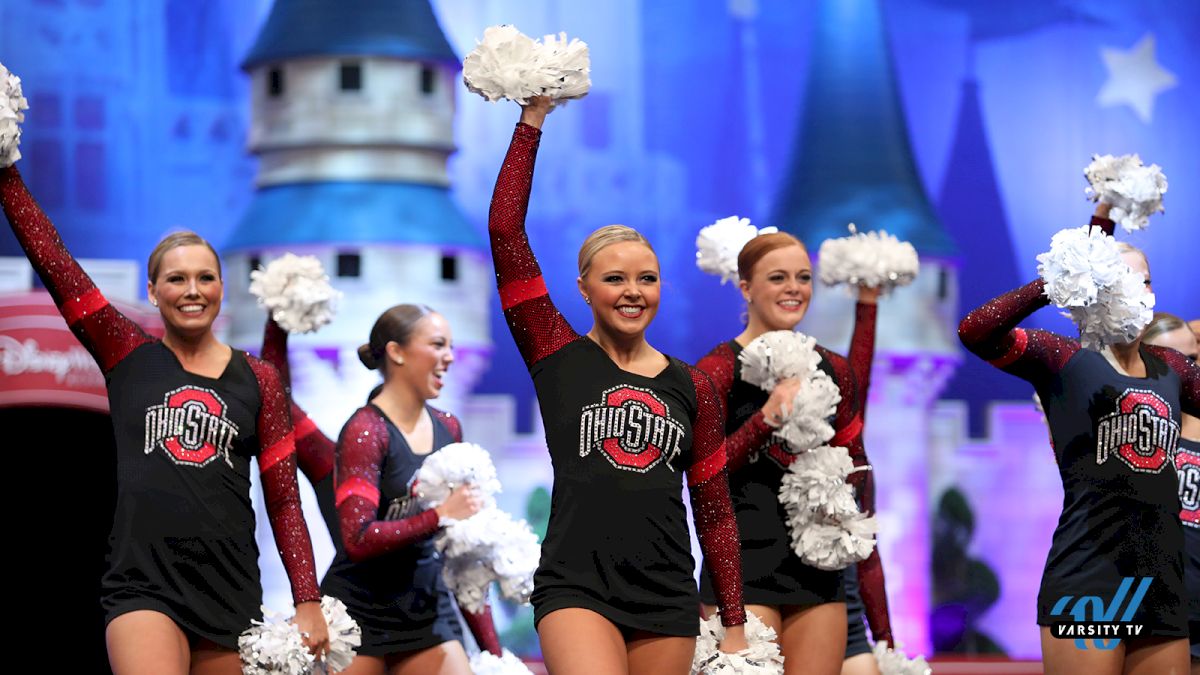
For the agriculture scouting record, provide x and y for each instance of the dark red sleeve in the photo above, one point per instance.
(1189, 375)
(536, 324)
(451, 423)
(361, 449)
(708, 484)
(277, 466)
(484, 630)
(862, 349)
(991, 333)
(314, 450)
(106, 333)
(720, 364)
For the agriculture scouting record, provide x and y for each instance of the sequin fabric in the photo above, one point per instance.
(450, 422)
(537, 326)
(990, 332)
(314, 450)
(281, 493)
(1189, 376)
(711, 508)
(862, 349)
(106, 333)
(362, 447)
(484, 630)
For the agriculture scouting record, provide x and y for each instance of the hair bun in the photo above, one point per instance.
(368, 359)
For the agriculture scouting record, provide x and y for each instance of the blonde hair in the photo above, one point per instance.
(1161, 324)
(175, 240)
(1126, 247)
(605, 237)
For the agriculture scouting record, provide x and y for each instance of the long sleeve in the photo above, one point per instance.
(862, 349)
(991, 333)
(483, 629)
(720, 364)
(106, 333)
(361, 449)
(1189, 375)
(277, 465)
(708, 485)
(536, 324)
(314, 450)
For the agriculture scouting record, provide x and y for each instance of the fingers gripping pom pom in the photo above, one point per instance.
(274, 645)
(807, 425)
(872, 259)
(508, 64)
(12, 103)
(760, 657)
(1134, 191)
(487, 663)
(718, 245)
(296, 290)
(1085, 274)
(895, 662)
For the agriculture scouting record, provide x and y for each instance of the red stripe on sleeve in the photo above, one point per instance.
(279, 451)
(1020, 342)
(357, 487)
(90, 302)
(521, 290)
(707, 467)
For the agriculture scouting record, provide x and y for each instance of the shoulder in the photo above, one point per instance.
(839, 363)
(448, 420)
(365, 422)
(720, 364)
(1173, 359)
(266, 374)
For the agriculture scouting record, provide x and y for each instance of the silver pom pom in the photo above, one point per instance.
(873, 259)
(12, 103)
(718, 245)
(828, 530)
(296, 290)
(509, 64)
(487, 663)
(895, 662)
(1134, 191)
(779, 355)
(760, 657)
(274, 645)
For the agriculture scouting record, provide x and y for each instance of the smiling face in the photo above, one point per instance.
(622, 286)
(779, 289)
(421, 363)
(188, 290)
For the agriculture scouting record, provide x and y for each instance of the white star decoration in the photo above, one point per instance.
(1134, 78)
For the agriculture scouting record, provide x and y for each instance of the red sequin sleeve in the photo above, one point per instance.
(277, 466)
(991, 333)
(536, 324)
(1189, 375)
(708, 485)
(106, 333)
(720, 365)
(361, 449)
(451, 423)
(314, 450)
(862, 349)
(484, 630)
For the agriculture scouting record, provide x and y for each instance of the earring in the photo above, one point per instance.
(588, 300)
(154, 302)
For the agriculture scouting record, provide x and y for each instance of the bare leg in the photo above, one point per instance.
(146, 642)
(448, 658)
(577, 641)
(1062, 657)
(653, 654)
(813, 639)
(1163, 656)
(210, 658)
(365, 665)
(860, 664)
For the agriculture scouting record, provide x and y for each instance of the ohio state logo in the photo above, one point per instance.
(1140, 432)
(1187, 465)
(632, 427)
(191, 427)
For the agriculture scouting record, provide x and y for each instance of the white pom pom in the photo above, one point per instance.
(778, 355)
(828, 530)
(873, 259)
(345, 636)
(274, 645)
(807, 424)
(1085, 274)
(760, 657)
(1134, 191)
(469, 580)
(452, 466)
(508, 64)
(12, 102)
(487, 663)
(489, 545)
(296, 290)
(515, 557)
(718, 245)
(895, 662)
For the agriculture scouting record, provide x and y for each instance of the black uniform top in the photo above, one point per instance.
(620, 443)
(1115, 439)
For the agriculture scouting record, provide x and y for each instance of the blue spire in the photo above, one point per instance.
(854, 163)
(403, 29)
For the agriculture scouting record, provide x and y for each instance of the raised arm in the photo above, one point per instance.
(720, 365)
(862, 342)
(708, 485)
(106, 333)
(991, 333)
(277, 466)
(361, 448)
(536, 324)
(314, 450)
